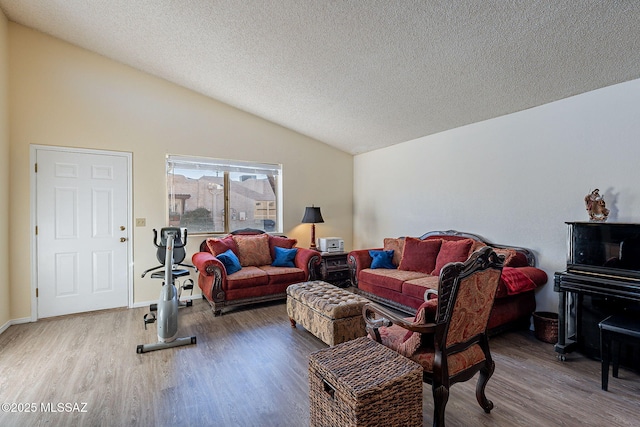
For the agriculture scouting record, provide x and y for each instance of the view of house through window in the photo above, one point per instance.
(219, 196)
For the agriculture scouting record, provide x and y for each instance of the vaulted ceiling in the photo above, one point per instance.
(360, 74)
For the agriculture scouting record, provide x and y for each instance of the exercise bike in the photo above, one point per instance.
(170, 253)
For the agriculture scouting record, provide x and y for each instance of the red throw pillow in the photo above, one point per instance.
(413, 340)
(452, 251)
(220, 246)
(426, 313)
(419, 255)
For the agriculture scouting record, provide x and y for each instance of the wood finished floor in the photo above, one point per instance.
(249, 368)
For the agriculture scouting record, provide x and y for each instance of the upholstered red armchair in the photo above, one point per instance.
(250, 266)
(448, 335)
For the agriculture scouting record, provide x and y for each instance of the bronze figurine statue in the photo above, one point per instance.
(596, 206)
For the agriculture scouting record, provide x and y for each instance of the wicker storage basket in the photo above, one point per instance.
(545, 326)
(363, 383)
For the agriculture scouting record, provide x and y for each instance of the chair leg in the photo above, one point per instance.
(616, 357)
(485, 373)
(605, 356)
(440, 399)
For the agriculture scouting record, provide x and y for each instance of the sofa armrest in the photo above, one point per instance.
(358, 260)
(307, 260)
(207, 264)
(537, 275)
(517, 280)
(212, 276)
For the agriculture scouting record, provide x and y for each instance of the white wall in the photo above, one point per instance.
(514, 180)
(66, 96)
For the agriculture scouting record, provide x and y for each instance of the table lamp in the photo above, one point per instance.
(312, 216)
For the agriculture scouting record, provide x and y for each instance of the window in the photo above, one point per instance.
(219, 196)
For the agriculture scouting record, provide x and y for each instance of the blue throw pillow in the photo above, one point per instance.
(230, 261)
(284, 257)
(382, 259)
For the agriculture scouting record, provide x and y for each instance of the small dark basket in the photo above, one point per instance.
(545, 326)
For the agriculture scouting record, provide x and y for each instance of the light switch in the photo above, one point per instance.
(141, 222)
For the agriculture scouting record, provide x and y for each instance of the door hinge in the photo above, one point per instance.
(36, 230)
(36, 167)
(36, 292)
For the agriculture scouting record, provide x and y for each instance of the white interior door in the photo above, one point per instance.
(82, 218)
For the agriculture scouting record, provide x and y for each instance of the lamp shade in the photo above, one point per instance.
(312, 215)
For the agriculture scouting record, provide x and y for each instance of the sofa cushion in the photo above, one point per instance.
(395, 245)
(416, 287)
(218, 246)
(387, 278)
(419, 255)
(230, 261)
(284, 274)
(452, 251)
(284, 257)
(382, 259)
(280, 242)
(248, 277)
(253, 250)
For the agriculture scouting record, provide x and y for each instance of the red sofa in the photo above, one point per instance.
(260, 277)
(416, 264)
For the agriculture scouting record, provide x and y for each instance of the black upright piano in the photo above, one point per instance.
(602, 278)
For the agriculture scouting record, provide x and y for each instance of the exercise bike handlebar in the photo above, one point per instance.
(176, 246)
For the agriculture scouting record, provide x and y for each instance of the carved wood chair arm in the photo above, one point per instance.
(376, 316)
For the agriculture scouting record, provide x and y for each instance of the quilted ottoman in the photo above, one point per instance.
(330, 313)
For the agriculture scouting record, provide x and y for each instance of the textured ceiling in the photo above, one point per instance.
(360, 74)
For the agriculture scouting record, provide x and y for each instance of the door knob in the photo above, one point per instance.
(123, 239)
(122, 228)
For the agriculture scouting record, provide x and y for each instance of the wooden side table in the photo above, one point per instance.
(334, 269)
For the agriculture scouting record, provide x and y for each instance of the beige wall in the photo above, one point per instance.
(514, 180)
(66, 96)
(5, 308)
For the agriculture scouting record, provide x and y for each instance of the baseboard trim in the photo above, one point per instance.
(136, 305)
(155, 301)
(14, 322)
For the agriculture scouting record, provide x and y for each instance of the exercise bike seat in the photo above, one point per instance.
(179, 242)
(176, 272)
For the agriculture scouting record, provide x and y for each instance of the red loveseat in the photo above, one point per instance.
(266, 267)
(416, 265)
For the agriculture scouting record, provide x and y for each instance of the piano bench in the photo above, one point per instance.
(613, 331)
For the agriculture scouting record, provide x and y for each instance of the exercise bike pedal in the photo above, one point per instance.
(185, 303)
(188, 285)
(149, 318)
